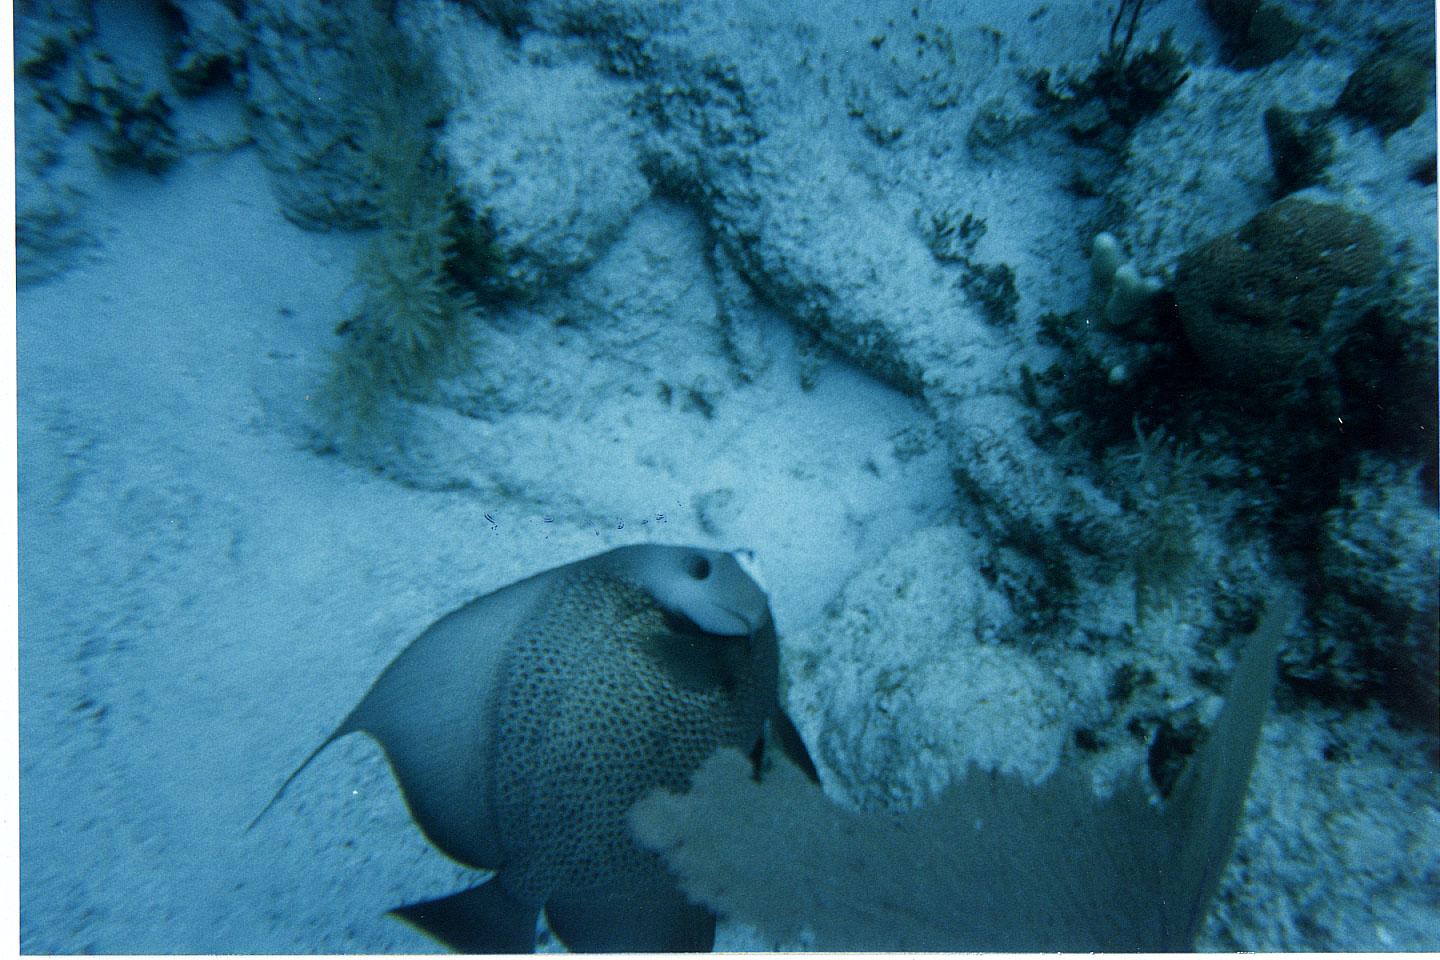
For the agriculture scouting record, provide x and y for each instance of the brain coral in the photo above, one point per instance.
(1265, 305)
(1389, 91)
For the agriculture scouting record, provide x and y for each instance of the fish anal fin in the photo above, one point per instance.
(483, 919)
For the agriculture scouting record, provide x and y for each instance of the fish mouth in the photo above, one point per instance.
(743, 626)
(750, 564)
(747, 625)
(737, 625)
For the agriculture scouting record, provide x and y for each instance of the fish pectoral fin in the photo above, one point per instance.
(782, 729)
(483, 919)
(655, 919)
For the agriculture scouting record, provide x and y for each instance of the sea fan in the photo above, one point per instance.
(996, 865)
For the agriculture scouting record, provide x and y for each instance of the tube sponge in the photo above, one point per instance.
(1128, 295)
(995, 865)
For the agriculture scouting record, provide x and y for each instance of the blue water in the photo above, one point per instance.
(818, 282)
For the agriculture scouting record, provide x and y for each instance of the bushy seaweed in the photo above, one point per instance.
(412, 326)
(1167, 495)
(1133, 87)
(1126, 86)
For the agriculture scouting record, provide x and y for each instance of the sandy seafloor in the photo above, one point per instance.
(203, 595)
(190, 575)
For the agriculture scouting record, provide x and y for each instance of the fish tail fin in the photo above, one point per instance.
(483, 919)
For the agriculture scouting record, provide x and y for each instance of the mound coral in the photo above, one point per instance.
(1265, 306)
(1256, 33)
(1388, 91)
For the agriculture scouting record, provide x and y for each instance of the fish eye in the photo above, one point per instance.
(697, 567)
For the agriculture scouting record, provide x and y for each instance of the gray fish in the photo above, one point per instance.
(524, 725)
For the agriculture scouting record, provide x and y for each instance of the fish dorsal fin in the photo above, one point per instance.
(432, 711)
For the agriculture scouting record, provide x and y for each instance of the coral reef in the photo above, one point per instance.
(1263, 306)
(213, 46)
(1340, 838)
(1256, 32)
(302, 113)
(1389, 90)
(662, 226)
(1171, 196)
(77, 80)
(922, 686)
(136, 123)
(1301, 146)
(78, 107)
(542, 151)
(1380, 563)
